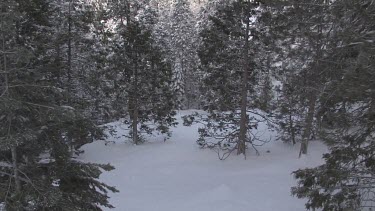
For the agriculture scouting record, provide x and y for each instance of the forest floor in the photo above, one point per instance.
(177, 175)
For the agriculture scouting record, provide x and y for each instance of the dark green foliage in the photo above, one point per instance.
(183, 44)
(230, 46)
(344, 181)
(220, 132)
(290, 111)
(221, 56)
(41, 129)
(59, 185)
(345, 111)
(304, 43)
(142, 77)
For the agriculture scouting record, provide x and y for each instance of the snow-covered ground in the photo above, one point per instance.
(177, 175)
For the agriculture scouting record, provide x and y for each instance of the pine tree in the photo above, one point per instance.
(95, 76)
(175, 33)
(183, 37)
(143, 77)
(230, 66)
(290, 111)
(39, 133)
(306, 43)
(346, 180)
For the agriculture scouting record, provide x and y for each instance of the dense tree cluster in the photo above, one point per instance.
(326, 94)
(231, 59)
(67, 67)
(43, 123)
(320, 68)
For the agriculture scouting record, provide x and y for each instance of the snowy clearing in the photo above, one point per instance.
(177, 175)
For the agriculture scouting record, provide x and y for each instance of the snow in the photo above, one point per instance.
(5, 164)
(177, 175)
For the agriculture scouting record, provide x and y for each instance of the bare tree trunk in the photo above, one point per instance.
(69, 49)
(15, 170)
(6, 92)
(308, 125)
(241, 144)
(183, 82)
(135, 104)
(70, 62)
(292, 130)
(135, 126)
(313, 95)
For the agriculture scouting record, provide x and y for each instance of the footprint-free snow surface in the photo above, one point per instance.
(177, 175)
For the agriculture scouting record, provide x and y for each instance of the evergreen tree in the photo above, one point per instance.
(40, 131)
(96, 77)
(265, 94)
(183, 37)
(143, 77)
(290, 111)
(306, 44)
(230, 68)
(346, 180)
(175, 33)
(72, 43)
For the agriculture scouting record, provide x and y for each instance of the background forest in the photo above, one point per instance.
(72, 69)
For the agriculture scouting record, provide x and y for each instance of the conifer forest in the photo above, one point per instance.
(187, 105)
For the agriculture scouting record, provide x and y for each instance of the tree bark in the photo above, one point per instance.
(308, 125)
(6, 92)
(241, 144)
(135, 104)
(291, 128)
(69, 84)
(314, 85)
(15, 170)
(135, 126)
(69, 49)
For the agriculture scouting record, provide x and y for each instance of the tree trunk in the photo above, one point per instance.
(314, 83)
(135, 126)
(69, 49)
(241, 144)
(292, 130)
(6, 92)
(15, 170)
(69, 84)
(135, 104)
(308, 125)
